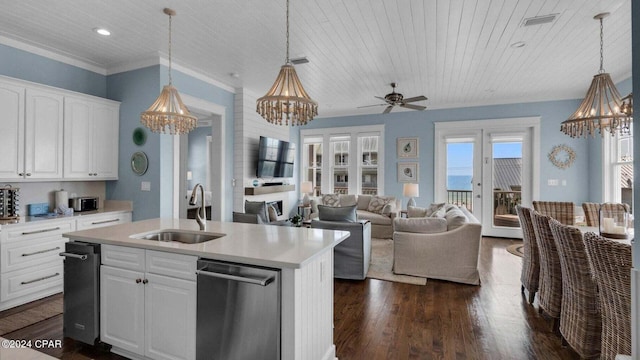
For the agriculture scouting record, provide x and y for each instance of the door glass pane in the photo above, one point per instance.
(369, 165)
(460, 174)
(507, 182)
(623, 170)
(313, 162)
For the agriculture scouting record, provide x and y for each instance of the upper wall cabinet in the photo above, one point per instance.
(91, 139)
(54, 134)
(31, 136)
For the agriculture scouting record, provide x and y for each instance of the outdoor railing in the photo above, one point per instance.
(461, 198)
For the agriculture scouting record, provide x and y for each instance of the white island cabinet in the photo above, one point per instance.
(148, 291)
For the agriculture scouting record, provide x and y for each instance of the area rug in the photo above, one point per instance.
(30, 316)
(382, 262)
(516, 249)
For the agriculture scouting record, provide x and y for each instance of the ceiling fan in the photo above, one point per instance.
(396, 99)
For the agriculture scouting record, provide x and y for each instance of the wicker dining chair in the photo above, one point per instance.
(530, 275)
(550, 286)
(559, 210)
(611, 210)
(580, 318)
(610, 263)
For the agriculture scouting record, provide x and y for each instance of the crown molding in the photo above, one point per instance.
(42, 50)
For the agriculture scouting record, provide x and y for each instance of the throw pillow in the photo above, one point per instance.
(273, 213)
(331, 200)
(434, 207)
(416, 212)
(455, 219)
(377, 203)
(363, 202)
(347, 200)
(257, 207)
(438, 213)
(331, 213)
(314, 206)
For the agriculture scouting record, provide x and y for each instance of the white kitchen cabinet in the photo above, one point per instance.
(137, 307)
(32, 133)
(91, 138)
(99, 220)
(30, 267)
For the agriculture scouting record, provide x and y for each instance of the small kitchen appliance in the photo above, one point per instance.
(84, 203)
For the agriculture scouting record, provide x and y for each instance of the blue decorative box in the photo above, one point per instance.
(38, 209)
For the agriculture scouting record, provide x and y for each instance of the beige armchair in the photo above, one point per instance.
(425, 247)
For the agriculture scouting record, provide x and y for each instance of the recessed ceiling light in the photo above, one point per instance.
(234, 75)
(102, 31)
(518, 44)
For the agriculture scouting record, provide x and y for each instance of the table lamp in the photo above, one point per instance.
(306, 187)
(411, 191)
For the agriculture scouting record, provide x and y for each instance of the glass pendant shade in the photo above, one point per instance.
(168, 114)
(287, 100)
(601, 110)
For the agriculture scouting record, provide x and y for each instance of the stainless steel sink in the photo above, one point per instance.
(182, 236)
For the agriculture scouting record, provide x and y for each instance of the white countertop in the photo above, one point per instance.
(263, 245)
(110, 206)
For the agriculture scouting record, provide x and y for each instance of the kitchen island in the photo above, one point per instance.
(132, 267)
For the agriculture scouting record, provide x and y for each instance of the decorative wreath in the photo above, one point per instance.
(562, 156)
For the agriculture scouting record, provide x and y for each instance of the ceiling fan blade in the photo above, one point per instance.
(388, 109)
(415, 98)
(414, 107)
(366, 106)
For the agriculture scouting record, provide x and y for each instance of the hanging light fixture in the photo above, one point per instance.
(287, 100)
(602, 108)
(168, 113)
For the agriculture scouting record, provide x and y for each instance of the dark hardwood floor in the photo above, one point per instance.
(377, 319)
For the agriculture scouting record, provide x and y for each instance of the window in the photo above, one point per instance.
(355, 160)
(618, 168)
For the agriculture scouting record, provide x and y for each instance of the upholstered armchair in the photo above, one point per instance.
(352, 256)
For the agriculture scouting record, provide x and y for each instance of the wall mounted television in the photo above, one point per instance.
(275, 158)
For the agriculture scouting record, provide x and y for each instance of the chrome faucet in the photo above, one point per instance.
(201, 215)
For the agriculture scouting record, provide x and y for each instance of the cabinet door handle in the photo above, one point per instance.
(104, 221)
(28, 174)
(39, 279)
(42, 251)
(138, 281)
(40, 231)
(145, 281)
(20, 174)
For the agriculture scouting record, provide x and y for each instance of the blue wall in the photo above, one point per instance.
(27, 66)
(421, 124)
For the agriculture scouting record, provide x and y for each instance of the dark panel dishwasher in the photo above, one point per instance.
(81, 291)
(238, 311)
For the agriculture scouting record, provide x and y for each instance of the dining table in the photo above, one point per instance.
(595, 229)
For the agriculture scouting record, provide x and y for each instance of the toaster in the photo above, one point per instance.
(84, 203)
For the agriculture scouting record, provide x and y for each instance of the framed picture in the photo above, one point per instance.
(407, 148)
(408, 172)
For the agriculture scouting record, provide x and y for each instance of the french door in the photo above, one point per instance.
(490, 167)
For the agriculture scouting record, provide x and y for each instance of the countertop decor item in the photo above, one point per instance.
(287, 100)
(602, 108)
(139, 136)
(139, 163)
(562, 156)
(168, 113)
(407, 148)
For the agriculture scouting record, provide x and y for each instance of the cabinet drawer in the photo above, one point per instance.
(96, 221)
(24, 282)
(123, 257)
(174, 265)
(26, 254)
(47, 229)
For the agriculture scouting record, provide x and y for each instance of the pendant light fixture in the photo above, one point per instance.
(287, 100)
(168, 113)
(602, 108)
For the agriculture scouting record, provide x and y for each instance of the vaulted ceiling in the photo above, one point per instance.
(455, 52)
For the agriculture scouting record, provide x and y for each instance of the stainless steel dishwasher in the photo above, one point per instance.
(81, 291)
(238, 311)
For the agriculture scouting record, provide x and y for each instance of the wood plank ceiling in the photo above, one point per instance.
(455, 52)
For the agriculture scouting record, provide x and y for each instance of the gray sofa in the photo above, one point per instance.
(352, 256)
(367, 208)
(441, 245)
